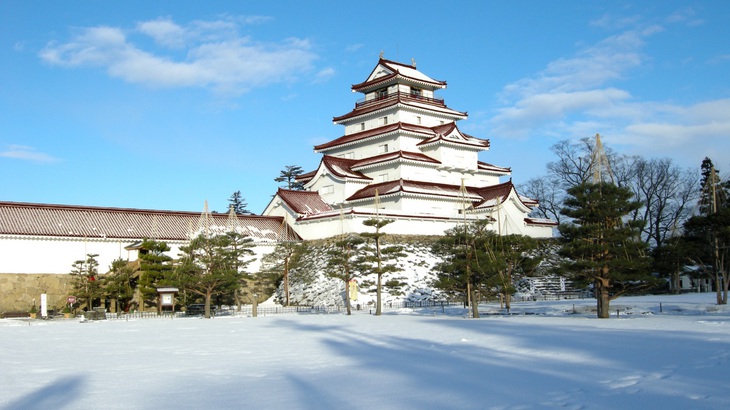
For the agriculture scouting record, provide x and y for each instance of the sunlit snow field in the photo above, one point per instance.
(541, 356)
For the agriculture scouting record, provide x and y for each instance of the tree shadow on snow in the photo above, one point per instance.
(58, 394)
(520, 365)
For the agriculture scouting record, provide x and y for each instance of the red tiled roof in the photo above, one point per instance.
(480, 197)
(385, 129)
(395, 155)
(490, 167)
(401, 99)
(342, 167)
(540, 221)
(19, 218)
(303, 202)
(442, 131)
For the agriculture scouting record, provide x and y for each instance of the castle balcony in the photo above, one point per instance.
(403, 96)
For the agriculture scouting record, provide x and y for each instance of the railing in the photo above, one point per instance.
(403, 95)
(247, 310)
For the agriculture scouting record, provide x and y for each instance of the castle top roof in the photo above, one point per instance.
(387, 71)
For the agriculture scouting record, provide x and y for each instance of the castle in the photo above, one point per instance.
(403, 157)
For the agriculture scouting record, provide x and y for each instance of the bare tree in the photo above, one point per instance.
(667, 194)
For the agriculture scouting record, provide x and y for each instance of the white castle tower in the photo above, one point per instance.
(402, 157)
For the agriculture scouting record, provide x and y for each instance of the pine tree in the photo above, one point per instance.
(238, 203)
(289, 175)
(155, 271)
(605, 250)
(207, 268)
(462, 271)
(344, 263)
(85, 279)
(379, 256)
(119, 284)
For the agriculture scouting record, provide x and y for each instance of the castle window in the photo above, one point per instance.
(382, 177)
(382, 149)
(418, 119)
(383, 121)
(327, 189)
(415, 92)
(362, 126)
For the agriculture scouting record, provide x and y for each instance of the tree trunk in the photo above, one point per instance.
(286, 280)
(255, 306)
(347, 297)
(378, 307)
(207, 304)
(474, 303)
(602, 298)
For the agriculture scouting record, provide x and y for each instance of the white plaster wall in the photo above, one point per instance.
(36, 255)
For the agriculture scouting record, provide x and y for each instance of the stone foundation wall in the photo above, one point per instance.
(18, 291)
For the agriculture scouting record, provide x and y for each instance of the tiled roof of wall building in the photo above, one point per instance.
(18, 218)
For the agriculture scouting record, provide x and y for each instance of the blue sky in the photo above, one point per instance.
(163, 105)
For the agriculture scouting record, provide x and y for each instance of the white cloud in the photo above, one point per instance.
(26, 153)
(324, 74)
(213, 56)
(579, 96)
(164, 32)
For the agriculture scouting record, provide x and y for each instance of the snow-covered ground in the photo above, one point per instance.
(541, 356)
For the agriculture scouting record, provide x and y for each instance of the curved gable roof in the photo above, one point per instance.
(303, 202)
(450, 134)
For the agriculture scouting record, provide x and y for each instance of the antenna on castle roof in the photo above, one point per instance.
(382, 54)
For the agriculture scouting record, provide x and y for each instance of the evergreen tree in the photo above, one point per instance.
(707, 235)
(238, 203)
(289, 175)
(155, 271)
(507, 256)
(237, 252)
(344, 263)
(379, 256)
(119, 284)
(279, 264)
(462, 270)
(605, 250)
(207, 269)
(85, 279)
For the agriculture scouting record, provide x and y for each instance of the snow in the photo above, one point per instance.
(541, 356)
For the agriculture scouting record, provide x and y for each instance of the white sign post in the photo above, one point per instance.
(44, 305)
